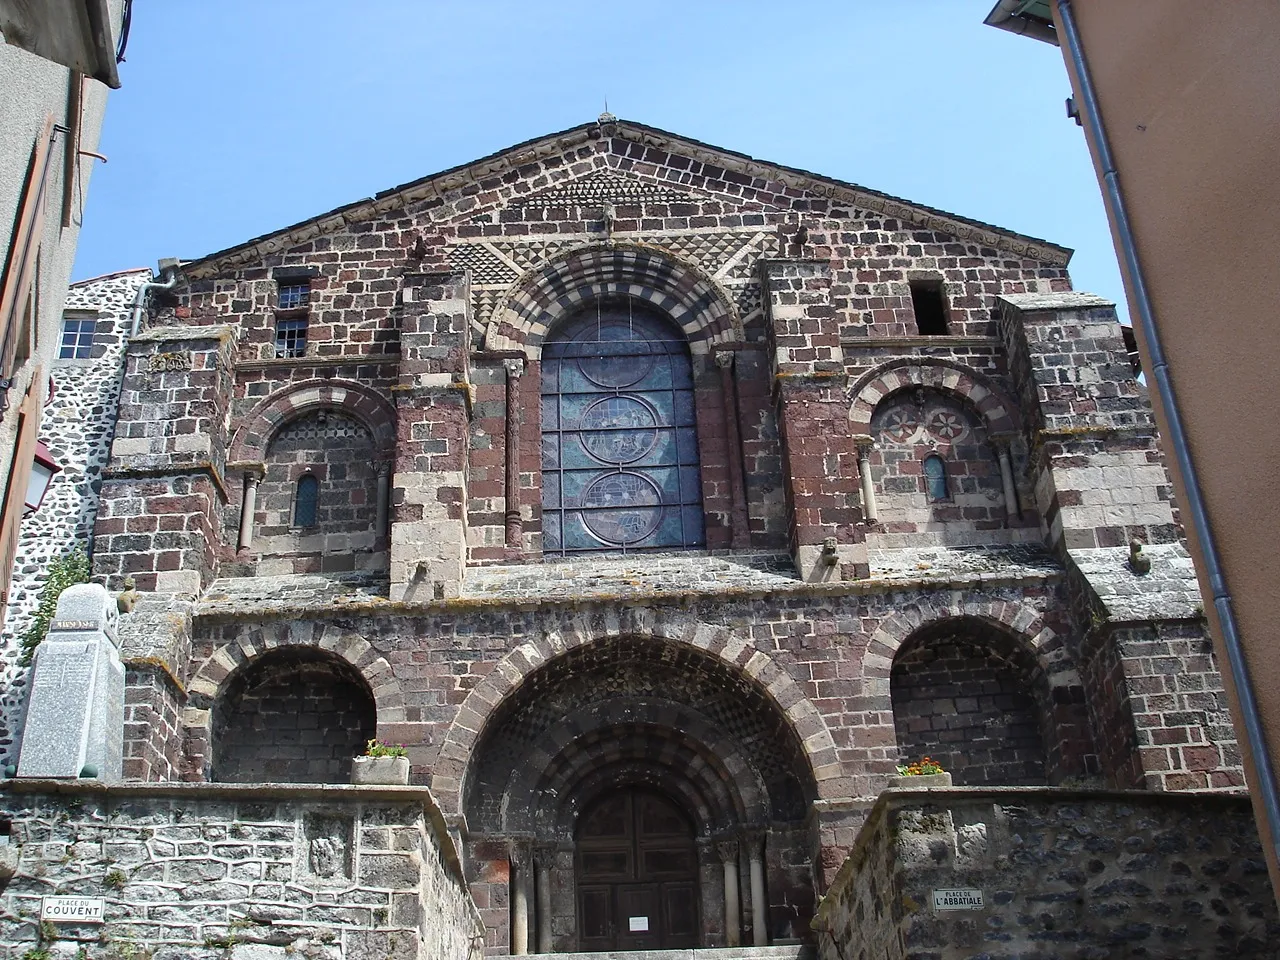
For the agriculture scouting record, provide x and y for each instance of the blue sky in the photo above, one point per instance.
(237, 117)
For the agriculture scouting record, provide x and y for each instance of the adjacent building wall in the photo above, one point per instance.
(1188, 94)
(35, 89)
(79, 422)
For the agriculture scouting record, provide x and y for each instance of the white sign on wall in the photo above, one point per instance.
(638, 924)
(961, 899)
(71, 909)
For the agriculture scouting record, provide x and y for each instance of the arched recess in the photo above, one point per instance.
(675, 629)
(252, 439)
(210, 679)
(998, 412)
(293, 715)
(566, 282)
(1021, 656)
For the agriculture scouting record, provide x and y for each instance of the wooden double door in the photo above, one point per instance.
(637, 875)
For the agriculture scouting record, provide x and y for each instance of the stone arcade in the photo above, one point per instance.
(660, 500)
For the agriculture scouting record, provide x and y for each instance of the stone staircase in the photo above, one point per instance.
(700, 953)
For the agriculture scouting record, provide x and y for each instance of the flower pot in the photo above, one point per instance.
(921, 782)
(382, 771)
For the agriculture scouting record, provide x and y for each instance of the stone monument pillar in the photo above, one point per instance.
(75, 715)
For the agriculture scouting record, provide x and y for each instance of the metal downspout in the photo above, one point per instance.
(140, 298)
(1177, 438)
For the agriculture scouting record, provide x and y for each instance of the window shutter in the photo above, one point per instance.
(15, 497)
(20, 267)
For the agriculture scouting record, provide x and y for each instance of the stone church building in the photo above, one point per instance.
(660, 500)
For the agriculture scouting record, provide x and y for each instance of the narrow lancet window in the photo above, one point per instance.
(306, 501)
(935, 478)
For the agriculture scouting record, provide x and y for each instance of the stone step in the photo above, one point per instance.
(790, 952)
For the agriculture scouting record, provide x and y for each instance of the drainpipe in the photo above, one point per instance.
(169, 267)
(1159, 373)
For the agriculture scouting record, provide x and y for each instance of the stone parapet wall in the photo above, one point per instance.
(220, 871)
(1062, 873)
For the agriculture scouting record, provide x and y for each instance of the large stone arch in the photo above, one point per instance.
(252, 439)
(1020, 619)
(556, 288)
(212, 676)
(1053, 676)
(998, 412)
(676, 628)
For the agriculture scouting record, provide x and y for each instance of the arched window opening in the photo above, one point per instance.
(619, 440)
(306, 501)
(935, 478)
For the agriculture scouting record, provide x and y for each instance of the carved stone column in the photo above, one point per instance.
(739, 529)
(869, 509)
(754, 840)
(1006, 478)
(248, 506)
(545, 855)
(520, 861)
(728, 850)
(514, 524)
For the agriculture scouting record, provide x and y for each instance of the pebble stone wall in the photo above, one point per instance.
(77, 427)
(237, 873)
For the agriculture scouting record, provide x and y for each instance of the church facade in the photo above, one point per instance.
(660, 501)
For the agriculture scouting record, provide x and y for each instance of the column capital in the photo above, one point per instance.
(753, 839)
(724, 359)
(728, 850)
(514, 366)
(520, 852)
(865, 443)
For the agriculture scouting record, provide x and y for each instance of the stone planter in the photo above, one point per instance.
(382, 771)
(921, 782)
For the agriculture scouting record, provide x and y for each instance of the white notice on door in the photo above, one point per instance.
(638, 924)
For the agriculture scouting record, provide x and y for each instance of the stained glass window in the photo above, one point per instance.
(619, 439)
(306, 501)
(935, 478)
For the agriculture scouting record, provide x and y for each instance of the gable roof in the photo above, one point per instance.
(581, 191)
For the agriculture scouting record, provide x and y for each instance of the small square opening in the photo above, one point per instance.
(929, 302)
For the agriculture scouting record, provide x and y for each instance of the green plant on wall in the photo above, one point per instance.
(69, 569)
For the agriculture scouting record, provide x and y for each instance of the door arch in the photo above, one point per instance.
(637, 874)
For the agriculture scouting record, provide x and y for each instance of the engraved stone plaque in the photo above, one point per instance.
(75, 715)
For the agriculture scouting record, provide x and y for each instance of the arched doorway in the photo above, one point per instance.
(294, 715)
(635, 717)
(637, 874)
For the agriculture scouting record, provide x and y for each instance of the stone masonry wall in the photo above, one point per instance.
(77, 427)
(1062, 875)
(234, 873)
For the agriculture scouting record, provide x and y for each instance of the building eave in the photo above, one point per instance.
(439, 184)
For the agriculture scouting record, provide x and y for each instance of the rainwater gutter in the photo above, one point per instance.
(1177, 438)
(140, 297)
